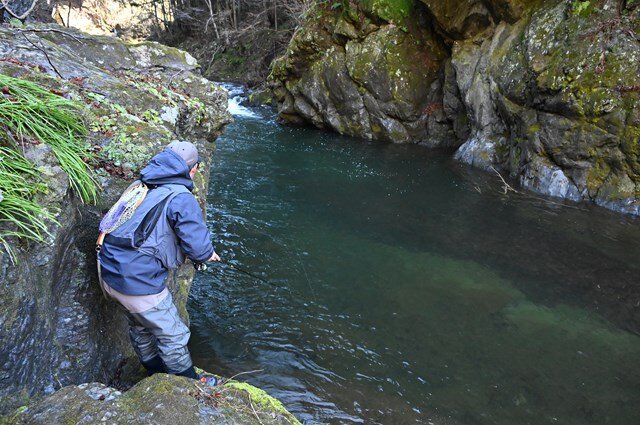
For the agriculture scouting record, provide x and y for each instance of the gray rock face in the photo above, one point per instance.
(553, 109)
(462, 19)
(374, 81)
(544, 92)
(17, 8)
(478, 152)
(55, 326)
(549, 179)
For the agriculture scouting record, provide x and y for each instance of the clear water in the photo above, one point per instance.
(406, 288)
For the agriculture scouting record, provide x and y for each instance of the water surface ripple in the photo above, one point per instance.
(406, 288)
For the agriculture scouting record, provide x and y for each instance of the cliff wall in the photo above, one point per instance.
(547, 92)
(56, 329)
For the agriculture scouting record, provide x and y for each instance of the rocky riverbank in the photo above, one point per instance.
(160, 399)
(547, 92)
(56, 329)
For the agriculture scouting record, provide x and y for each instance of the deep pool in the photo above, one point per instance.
(406, 288)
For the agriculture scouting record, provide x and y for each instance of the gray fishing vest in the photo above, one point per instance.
(149, 231)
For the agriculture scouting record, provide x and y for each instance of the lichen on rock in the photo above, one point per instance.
(392, 11)
(560, 101)
(371, 72)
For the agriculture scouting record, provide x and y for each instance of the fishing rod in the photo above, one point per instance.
(202, 267)
(243, 271)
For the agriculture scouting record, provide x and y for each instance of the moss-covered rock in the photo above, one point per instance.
(463, 19)
(160, 399)
(392, 11)
(547, 91)
(371, 71)
(55, 327)
(261, 97)
(556, 90)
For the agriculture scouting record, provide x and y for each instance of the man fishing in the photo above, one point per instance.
(165, 227)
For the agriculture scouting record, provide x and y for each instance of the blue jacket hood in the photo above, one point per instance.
(167, 167)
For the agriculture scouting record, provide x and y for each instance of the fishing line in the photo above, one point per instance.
(306, 276)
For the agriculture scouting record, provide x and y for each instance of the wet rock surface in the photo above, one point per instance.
(546, 92)
(56, 329)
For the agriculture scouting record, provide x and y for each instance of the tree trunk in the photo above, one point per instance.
(275, 14)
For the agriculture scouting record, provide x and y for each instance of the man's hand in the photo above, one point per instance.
(214, 257)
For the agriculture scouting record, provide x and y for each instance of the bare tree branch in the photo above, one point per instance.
(46, 55)
(5, 6)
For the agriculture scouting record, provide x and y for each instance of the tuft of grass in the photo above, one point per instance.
(31, 114)
(20, 215)
(30, 111)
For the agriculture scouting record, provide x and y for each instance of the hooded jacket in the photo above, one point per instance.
(134, 271)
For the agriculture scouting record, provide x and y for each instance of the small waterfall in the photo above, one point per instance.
(236, 97)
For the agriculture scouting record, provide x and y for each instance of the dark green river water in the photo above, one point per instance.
(412, 289)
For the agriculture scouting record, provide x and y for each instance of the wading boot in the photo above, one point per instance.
(189, 372)
(155, 365)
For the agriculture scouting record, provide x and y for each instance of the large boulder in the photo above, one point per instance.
(546, 91)
(462, 19)
(554, 98)
(371, 71)
(56, 328)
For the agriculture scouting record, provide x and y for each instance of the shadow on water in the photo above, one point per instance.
(414, 291)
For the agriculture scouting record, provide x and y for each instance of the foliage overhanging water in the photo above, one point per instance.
(412, 290)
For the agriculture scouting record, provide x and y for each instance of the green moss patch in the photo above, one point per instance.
(395, 11)
(258, 396)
